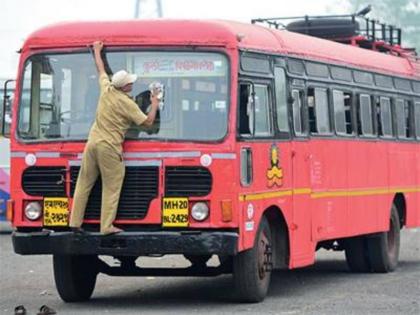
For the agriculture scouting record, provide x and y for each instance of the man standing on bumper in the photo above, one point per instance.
(103, 151)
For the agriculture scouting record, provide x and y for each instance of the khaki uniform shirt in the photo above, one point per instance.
(116, 112)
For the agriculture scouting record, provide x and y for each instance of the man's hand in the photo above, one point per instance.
(154, 99)
(153, 109)
(98, 45)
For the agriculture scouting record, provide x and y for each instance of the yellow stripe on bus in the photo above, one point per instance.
(265, 195)
(302, 191)
(327, 194)
(350, 193)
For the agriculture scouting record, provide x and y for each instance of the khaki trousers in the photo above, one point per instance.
(99, 158)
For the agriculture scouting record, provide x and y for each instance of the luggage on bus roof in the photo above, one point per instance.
(325, 28)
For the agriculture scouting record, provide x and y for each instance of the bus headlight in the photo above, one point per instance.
(200, 211)
(33, 210)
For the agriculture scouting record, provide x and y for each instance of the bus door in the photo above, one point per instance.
(302, 243)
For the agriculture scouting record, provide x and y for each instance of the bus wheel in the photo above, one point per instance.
(357, 255)
(252, 268)
(198, 260)
(385, 247)
(75, 276)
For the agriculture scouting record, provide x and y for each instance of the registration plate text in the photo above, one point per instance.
(175, 212)
(56, 212)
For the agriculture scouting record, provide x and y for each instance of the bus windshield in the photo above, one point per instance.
(64, 92)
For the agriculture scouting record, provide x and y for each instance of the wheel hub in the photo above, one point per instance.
(265, 254)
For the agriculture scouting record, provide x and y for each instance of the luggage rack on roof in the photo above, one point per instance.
(347, 29)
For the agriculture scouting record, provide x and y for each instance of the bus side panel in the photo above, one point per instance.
(413, 213)
(413, 198)
(377, 181)
(362, 200)
(302, 247)
(404, 176)
(328, 181)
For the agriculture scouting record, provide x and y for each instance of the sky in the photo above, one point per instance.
(19, 18)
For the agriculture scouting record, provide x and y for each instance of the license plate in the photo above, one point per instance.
(56, 212)
(175, 212)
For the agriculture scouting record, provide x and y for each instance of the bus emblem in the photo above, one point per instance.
(275, 172)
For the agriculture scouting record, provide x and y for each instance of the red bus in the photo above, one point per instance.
(270, 145)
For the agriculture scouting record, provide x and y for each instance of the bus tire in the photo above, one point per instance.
(384, 248)
(357, 256)
(75, 276)
(252, 268)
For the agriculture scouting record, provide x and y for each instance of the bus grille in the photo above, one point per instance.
(187, 181)
(140, 186)
(45, 181)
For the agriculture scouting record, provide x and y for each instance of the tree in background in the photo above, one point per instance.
(401, 13)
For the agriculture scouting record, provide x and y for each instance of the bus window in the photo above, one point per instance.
(281, 100)
(64, 91)
(48, 119)
(409, 118)
(403, 119)
(385, 117)
(319, 120)
(262, 111)
(246, 166)
(417, 118)
(400, 118)
(364, 116)
(342, 113)
(45, 108)
(245, 123)
(297, 108)
(296, 66)
(24, 119)
(363, 77)
(254, 113)
(317, 70)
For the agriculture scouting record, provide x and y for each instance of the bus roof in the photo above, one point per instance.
(219, 33)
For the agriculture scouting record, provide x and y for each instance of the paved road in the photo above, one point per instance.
(325, 288)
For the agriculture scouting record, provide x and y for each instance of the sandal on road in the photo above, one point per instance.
(20, 310)
(45, 310)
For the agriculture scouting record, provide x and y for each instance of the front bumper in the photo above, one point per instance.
(126, 243)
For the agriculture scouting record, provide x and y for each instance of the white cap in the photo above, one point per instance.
(122, 78)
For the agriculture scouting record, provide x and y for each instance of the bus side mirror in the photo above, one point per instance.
(6, 110)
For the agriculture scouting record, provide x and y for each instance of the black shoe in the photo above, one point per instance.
(45, 310)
